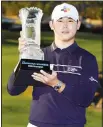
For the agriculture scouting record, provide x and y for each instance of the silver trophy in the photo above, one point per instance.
(31, 56)
(31, 24)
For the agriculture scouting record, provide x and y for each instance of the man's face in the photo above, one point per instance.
(65, 28)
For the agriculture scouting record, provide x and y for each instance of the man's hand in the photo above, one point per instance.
(48, 79)
(22, 42)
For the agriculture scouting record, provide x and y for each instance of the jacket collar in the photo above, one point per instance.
(69, 49)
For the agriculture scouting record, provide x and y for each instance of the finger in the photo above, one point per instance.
(46, 80)
(21, 46)
(38, 78)
(43, 78)
(39, 75)
(45, 74)
(54, 73)
(21, 40)
(22, 43)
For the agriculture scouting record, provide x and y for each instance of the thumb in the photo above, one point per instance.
(54, 73)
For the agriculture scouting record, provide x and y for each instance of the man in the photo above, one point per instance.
(61, 98)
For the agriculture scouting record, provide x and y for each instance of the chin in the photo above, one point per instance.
(68, 38)
(65, 40)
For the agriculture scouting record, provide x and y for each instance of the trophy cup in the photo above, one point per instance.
(31, 56)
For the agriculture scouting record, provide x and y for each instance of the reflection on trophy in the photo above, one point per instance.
(31, 56)
(31, 24)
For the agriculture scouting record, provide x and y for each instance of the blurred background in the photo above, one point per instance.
(15, 109)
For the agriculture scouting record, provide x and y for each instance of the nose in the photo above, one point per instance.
(65, 24)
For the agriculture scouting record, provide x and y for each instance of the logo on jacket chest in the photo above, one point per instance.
(67, 69)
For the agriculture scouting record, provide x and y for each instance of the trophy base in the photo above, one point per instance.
(26, 68)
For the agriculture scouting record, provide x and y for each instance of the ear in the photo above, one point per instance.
(78, 25)
(51, 25)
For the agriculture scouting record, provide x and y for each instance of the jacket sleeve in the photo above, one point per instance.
(83, 92)
(11, 88)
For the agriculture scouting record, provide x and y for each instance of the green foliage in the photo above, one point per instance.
(93, 12)
(90, 9)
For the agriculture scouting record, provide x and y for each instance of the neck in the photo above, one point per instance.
(63, 44)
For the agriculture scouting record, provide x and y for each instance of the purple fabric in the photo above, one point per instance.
(78, 69)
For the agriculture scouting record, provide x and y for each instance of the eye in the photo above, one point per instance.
(70, 21)
(60, 21)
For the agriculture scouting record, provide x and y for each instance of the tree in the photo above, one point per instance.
(90, 9)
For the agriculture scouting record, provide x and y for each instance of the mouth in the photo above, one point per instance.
(65, 32)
